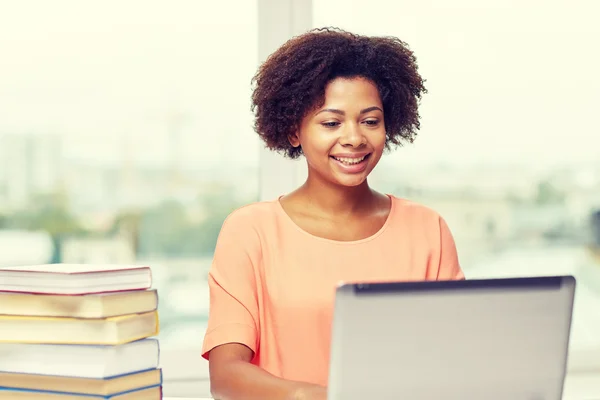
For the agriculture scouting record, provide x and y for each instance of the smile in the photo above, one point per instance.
(350, 160)
(351, 165)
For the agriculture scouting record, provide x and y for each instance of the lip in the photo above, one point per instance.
(351, 155)
(354, 168)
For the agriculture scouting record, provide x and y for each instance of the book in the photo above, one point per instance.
(84, 386)
(99, 305)
(80, 361)
(153, 393)
(56, 330)
(74, 278)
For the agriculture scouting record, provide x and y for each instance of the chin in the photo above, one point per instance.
(350, 181)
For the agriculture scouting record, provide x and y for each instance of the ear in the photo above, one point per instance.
(294, 139)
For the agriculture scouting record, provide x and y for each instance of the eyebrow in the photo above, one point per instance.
(341, 112)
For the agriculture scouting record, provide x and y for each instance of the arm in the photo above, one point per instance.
(232, 377)
(233, 333)
(449, 266)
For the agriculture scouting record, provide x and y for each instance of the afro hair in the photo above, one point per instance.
(292, 81)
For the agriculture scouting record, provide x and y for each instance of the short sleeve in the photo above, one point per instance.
(233, 308)
(449, 266)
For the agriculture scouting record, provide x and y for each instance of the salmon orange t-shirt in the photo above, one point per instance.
(272, 284)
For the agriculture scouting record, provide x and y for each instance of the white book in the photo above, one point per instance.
(75, 278)
(79, 361)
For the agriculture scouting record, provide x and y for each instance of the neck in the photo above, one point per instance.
(337, 200)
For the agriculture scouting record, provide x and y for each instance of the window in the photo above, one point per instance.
(507, 151)
(129, 124)
(126, 137)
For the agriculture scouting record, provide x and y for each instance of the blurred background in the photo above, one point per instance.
(125, 137)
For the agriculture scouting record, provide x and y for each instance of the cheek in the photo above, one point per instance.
(319, 145)
(378, 141)
(315, 153)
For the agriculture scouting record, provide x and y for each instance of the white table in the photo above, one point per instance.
(187, 398)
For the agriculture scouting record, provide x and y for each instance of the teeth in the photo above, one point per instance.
(349, 161)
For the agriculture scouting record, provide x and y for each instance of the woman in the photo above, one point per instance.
(340, 100)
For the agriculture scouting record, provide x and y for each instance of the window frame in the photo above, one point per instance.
(184, 369)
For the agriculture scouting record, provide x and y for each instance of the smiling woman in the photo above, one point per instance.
(340, 100)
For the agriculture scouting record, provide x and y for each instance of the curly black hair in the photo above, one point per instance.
(292, 81)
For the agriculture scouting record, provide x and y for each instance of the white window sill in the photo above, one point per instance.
(186, 374)
(582, 361)
(187, 364)
(578, 386)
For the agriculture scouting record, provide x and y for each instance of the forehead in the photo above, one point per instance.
(351, 91)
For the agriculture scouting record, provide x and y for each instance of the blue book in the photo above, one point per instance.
(148, 393)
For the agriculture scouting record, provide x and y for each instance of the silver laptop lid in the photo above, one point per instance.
(474, 339)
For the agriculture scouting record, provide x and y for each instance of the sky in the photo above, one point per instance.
(508, 81)
(118, 74)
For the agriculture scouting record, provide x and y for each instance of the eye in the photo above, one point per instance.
(372, 122)
(331, 124)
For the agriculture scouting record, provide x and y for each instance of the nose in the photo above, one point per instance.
(352, 136)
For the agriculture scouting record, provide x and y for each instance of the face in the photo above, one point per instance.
(344, 139)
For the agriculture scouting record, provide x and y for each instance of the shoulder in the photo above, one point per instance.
(410, 211)
(252, 216)
(416, 217)
(429, 231)
(241, 236)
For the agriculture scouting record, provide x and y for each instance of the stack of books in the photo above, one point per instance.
(79, 332)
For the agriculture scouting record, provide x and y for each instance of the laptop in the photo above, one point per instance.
(493, 339)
